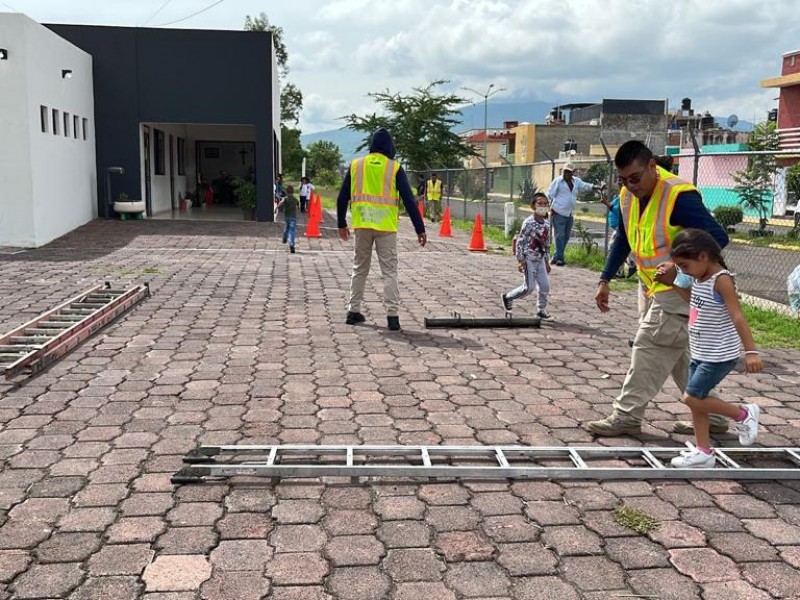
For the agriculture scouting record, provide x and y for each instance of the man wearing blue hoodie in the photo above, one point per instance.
(371, 188)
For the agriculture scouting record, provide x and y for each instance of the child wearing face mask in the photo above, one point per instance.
(533, 256)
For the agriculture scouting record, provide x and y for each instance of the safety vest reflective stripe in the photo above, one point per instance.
(649, 231)
(435, 189)
(373, 194)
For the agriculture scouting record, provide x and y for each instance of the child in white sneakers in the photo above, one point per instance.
(533, 254)
(717, 330)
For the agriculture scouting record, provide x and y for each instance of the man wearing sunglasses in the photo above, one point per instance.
(654, 206)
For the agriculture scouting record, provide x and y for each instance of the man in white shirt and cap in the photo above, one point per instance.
(563, 194)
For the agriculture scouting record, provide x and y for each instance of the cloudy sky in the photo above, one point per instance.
(714, 51)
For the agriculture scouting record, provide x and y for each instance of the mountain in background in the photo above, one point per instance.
(471, 118)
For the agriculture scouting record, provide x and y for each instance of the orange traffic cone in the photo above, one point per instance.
(444, 228)
(317, 207)
(476, 243)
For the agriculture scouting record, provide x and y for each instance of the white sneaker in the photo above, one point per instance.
(748, 429)
(692, 458)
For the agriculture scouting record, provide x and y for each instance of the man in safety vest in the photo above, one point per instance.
(654, 206)
(434, 194)
(372, 188)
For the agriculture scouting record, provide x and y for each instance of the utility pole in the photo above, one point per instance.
(486, 95)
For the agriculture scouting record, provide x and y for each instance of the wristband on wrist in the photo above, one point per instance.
(752, 352)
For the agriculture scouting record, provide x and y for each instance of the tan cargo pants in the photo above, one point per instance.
(660, 348)
(385, 243)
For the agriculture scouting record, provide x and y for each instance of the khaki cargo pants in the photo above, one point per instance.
(385, 243)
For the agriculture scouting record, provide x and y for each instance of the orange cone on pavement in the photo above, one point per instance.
(476, 243)
(314, 217)
(444, 228)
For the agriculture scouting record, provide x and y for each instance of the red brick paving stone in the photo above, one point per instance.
(57, 487)
(136, 529)
(139, 504)
(186, 540)
(477, 579)
(422, 591)
(399, 508)
(208, 492)
(176, 573)
(791, 555)
(683, 495)
(241, 555)
(18, 535)
(712, 520)
(591, 573)
(745, 507)
(171, 596)
(128, 559)
(297, 538)
(636, 553)
(40, 510)
(514, 528)
(626, 489)
(657, 508)
(743, 547)
(349, 522)
(543, 588)
(552, 513)
(496, 503)
(413, 564)
(447, 494)
(453, 518)
(298, 511)
(242, 585)
(47, 581)
(590, 498)
(101, 495)
(775, 531)
(354, 551)
(306, 592)
(676, 534)
(358, 583)
(68, 547)
(527, 559)
(463, 545)
(571, 541)
(404, 534)
(258, 499)
(348, 497)
(194, 514)
(244, 525)
(12, 562)
(108, 588)
(537, 490)
(704, 565)
(602, 522)
(297, 568)
(87, 519)
(729, 590)
(664, 584)
(779, 579)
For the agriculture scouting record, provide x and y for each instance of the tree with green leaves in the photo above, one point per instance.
(755, 183)
(292, 153)
(323, 161)
(421, 124)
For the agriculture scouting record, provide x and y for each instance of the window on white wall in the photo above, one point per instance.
(158, 153)
(181, 156)
(76, 121)
(56, 122)
(66, 124)
(44, 117)
(85, 128)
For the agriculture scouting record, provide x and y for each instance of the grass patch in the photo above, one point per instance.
(635, 519)
(782, 242)
(490, 232)
(771, 329)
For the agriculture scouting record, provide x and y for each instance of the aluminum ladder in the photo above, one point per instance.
(32, 347)
(481, 462)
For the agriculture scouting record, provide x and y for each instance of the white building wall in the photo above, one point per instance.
(61, 170)
(16, 207)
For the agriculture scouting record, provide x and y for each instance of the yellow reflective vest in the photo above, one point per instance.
(650, 233)
(434, 189)
(373, 192)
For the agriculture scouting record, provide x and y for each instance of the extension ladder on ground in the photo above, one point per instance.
(38, 343)
(484, 462)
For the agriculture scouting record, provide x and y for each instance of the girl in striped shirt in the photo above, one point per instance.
(717, 330)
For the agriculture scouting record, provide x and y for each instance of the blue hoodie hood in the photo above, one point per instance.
(381, 141)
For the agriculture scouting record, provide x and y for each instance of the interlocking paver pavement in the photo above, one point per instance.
(243, 342)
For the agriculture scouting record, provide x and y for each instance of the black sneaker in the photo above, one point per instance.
(354, 318)
(394, 323)
(543, 314)
(284, 240)
(506, 303)
(291, 249)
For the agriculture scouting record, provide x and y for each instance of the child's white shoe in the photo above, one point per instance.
(748, 429)
(692, 458)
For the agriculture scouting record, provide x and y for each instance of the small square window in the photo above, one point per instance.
(56, 122)
(85, 128)
(44, 117)
(76, 123)
(66, 124)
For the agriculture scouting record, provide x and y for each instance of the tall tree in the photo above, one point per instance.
(755, 184)
(324, 161)
(292, 153)
(421, 124)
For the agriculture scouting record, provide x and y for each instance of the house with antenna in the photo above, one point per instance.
(92, 113)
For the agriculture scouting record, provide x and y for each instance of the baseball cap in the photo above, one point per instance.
(568, 167)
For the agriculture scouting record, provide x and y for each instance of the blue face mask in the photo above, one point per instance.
(682, 280)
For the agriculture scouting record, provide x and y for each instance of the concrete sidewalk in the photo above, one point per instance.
(243, 342)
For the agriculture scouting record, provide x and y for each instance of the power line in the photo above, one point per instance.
(209, 7)
(162, 7)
